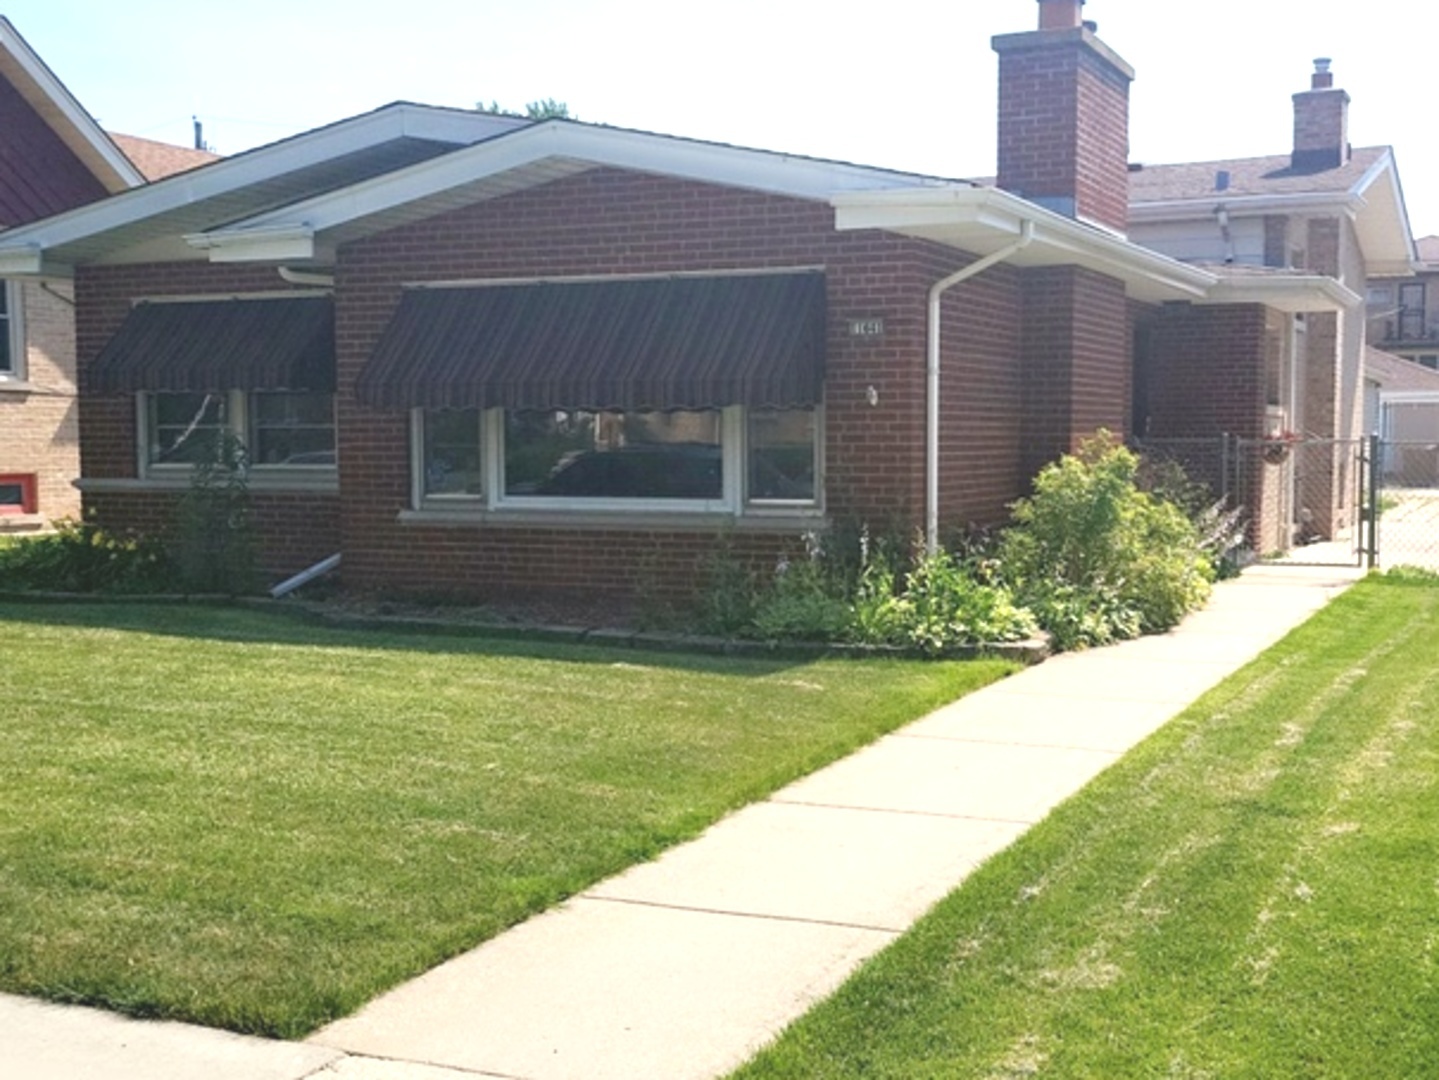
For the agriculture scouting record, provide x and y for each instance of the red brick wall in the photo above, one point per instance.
(294, 530)
(1076, 349)
(608, 221)
(1205, 372)
(1064, 123)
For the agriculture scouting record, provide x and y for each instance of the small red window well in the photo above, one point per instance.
(17, 493)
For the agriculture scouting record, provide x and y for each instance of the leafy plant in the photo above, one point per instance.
(804, 602)
(82, 557)
(1098, 559)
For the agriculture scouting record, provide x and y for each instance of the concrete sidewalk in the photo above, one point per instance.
(683, 967)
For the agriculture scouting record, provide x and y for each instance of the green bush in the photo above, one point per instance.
(945, 605)
(1097, 559)
(82, 557)
(805, 602)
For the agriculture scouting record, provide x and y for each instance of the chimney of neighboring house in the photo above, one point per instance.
(1321, 122)
(1064, 117)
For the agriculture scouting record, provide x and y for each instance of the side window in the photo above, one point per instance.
(450, 458)
(288, 428)
(183, 429)
(12, 342)
(783, 454)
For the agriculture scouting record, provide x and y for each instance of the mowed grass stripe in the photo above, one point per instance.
(221, 816)
(1253, 892)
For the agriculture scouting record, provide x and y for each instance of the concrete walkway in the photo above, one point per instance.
(684, 967)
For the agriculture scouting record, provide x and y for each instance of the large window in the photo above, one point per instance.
(12, 340)
(682, 460)
(280, 430)
(614, 455)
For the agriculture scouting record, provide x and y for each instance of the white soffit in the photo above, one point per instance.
(218, 191)
(1292, 293)
(984, 220)
(535, 155)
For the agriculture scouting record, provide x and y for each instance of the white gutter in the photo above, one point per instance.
(931, 435)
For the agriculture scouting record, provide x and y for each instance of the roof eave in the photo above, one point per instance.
(1292, 293)
(555, 141)
(984, 220)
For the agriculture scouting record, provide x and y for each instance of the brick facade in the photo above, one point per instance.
(39, 430)
(609, 221)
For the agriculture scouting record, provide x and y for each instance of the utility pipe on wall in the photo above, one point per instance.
(931, 441)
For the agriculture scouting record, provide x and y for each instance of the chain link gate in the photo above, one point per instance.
(1305, 501)
(1406, 503)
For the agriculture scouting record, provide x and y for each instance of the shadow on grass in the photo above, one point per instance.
(217, 620)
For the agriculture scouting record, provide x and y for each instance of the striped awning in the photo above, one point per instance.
(647, 343)
(210, 346)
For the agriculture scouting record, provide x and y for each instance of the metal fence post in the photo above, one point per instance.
(1375, 472)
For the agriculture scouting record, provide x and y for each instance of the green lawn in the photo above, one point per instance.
(224, 816)
(1253, 892)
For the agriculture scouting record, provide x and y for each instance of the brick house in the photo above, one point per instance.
(474, 354)
(53, 157)
(1300, 232)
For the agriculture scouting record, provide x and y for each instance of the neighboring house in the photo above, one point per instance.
(1404, 312)
(1402, 407)
(1322, 210)
(53, 157)
(473, 354)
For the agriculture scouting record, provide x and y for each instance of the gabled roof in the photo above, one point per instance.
(1366, 187)
(1396, 375)
(1240, 177)
(147, 223)
(157, 160)
(75, 127)
(1428, 248)
(525, 158)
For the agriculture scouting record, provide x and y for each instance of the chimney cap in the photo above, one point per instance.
(1060, 14)
(1323, 78)
(1321, 65)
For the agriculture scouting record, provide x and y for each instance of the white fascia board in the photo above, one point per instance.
(255, 166)
(713, 163)
(1292, 293)
(22, 262)
(985, 219)
(1144, 213)
(1383, 219)
(259, 245)
(82, 123)
(1409, 397)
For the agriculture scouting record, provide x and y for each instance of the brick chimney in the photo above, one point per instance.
(1321, 123)
(1064, 117)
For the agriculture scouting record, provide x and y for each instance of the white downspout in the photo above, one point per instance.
(931, 438)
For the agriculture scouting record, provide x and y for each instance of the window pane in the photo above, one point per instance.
(614, 455)
(292, 429)
(7, 357)
(781, 454)
(185, 428)
(452, 452)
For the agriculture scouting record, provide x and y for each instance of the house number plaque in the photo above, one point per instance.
(866, 328)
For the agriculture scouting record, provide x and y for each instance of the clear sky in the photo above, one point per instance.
(907, 84)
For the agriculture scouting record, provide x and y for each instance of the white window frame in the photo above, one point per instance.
(237, 411)
(733, 501)
(14, 330)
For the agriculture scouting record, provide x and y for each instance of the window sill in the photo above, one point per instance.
(615, 520)
(17, 386)
(18, 523)
(259, 483)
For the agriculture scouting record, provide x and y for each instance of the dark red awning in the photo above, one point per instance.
(650, 343)
(210, 346)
